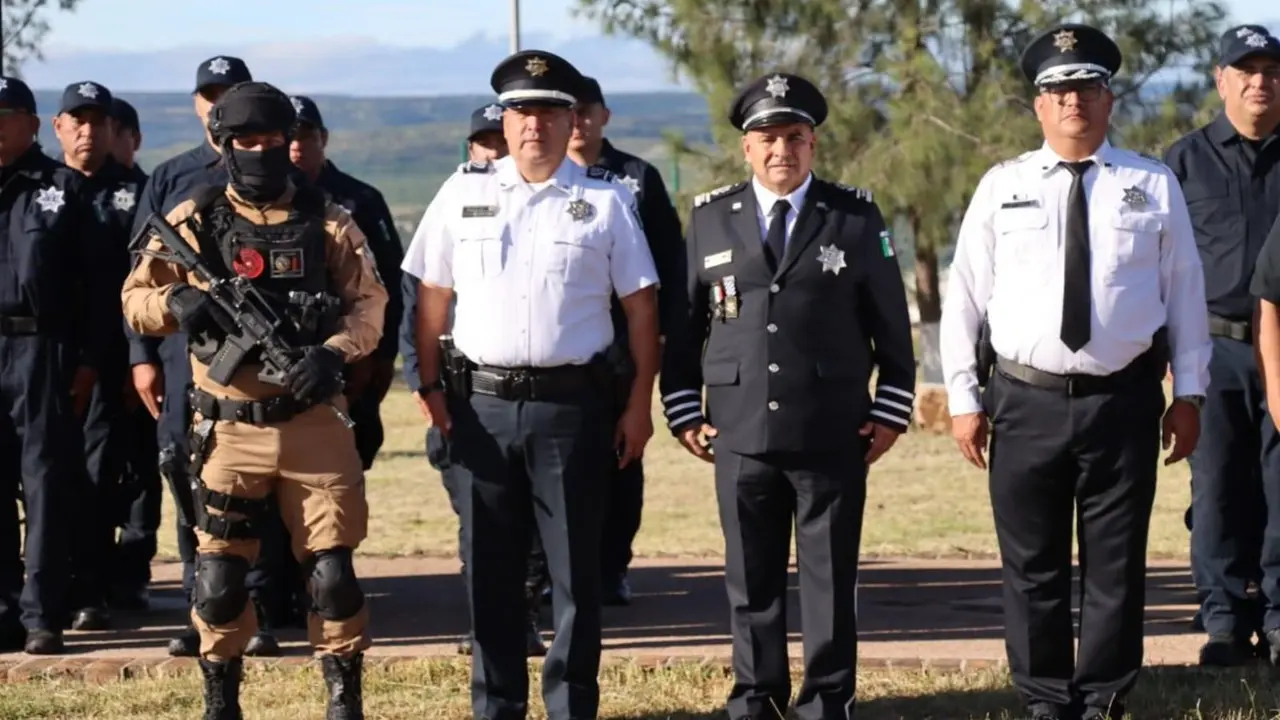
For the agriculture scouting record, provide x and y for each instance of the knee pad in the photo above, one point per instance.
(335, 592)
(221, 593)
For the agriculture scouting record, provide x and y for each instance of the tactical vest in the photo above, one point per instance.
(284, 262)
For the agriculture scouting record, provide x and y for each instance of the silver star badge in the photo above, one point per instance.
(1134, 197)
(1256, 41)
(580, 210)
(88, 90)
(492, 113)
(1064, 40)
(50, 199)
(3, 84)
(832, 259)
(1243, 31)
(632, 184)
(777, 86)
(123, 199)
(297, 105)
(219, 66)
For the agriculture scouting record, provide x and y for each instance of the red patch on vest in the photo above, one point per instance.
(248, 263)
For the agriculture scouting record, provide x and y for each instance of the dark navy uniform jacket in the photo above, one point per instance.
(51, 259)
(791, 373)
(1233, 195)
(661, 226)
(170, 183)
(112, 196)
(370, 212)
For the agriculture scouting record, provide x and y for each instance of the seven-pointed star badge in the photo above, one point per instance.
(3, 84)
(832, 259)
(1256, 40)
(123, 200)
(50, 199)
(631, 183)
(1134, 197)
(297, 104)
(219, 66)
(536, 66)
(777, 86)
(1064, 40)
(88, 90)
(493, 112)
(580, 209)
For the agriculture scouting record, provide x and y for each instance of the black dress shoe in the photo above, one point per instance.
(91, 618)
(464, 645)
(1046, 711)
(1226, 651)
(186, 644)
(262, 644)
(616, 593)
(43, 642)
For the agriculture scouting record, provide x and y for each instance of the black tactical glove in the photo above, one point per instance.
(196, 312)
(317, 376)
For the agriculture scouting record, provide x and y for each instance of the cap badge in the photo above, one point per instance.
(297, 105)
(536, 66)
(492, 113)
(219, 66)
(1244, 31)
(88, 90)
(777, 86)
(1256, 40)
(1064, 40)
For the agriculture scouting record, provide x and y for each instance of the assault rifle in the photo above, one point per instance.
(256, 324)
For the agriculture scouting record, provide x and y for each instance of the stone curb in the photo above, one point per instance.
(103, 670)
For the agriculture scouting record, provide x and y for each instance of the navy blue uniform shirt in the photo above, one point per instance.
(112, 197)
(1232, 186)
(172, 182)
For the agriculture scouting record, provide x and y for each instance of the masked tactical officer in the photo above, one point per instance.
(793, 285)
(248, 439)
(661, 224)
(140, 519)
(55, 320)
(532, 253)
(1081, 257)
(369, 381)
(83, 128)
(1230, 173)
(483, 147)
(162, 370)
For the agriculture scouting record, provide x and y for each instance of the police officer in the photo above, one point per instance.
(1081, 257)
(483, 147)
(54, 315)
(790, 281)
(83, 128)
(369, 381)
(661, 224)
(162, 370)
(136, 546)
(249, 440)
(532, 253)
(1230, 174)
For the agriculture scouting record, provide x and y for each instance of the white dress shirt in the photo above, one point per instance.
(765, 199)
(1145, 272)
(532, 282)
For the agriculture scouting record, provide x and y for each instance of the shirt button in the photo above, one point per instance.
(773, 367)
(773, 404)
(771, 328)
(774, 288)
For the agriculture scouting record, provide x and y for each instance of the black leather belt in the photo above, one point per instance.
(1074, 385)
(531, 383)
(17, 325)
(281, 408)
(1241, 330)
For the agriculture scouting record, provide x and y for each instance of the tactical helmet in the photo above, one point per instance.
(251, 107)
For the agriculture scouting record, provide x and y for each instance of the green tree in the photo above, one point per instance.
(23, 28)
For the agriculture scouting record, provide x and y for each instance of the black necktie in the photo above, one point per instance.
(1076, 286)
(776, 240)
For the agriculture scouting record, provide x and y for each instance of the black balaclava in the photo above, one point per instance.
(254, 107)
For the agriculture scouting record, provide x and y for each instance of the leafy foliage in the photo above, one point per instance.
(24, 28)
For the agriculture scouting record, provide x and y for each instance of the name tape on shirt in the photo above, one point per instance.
(720, 258)
(472, 211)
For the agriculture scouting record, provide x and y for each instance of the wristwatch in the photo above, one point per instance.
(1196, 400)
(426, 390)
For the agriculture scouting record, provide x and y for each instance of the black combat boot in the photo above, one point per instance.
(342, 677)
(222, 689)
(263, 643)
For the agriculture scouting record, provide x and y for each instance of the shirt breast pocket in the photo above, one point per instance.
(1137, 244)
(581, 259)
(479, 256)
(1022, 238)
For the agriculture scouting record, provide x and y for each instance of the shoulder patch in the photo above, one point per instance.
(476, 167)
(862, 194)
(706, 197)
(595, 172)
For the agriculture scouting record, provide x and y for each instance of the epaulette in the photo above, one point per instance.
(1013, 160)
(1151, 158)
(862, 194)
(595, 172)
(476, 167)
(706, 197)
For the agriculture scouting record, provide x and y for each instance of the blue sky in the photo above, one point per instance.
(160, 24)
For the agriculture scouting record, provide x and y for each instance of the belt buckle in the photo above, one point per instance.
(1072, 386)
(519, 383)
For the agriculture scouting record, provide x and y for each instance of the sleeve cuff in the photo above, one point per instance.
(682, 409)
(141, 353)
(963, 404)
(893, 407)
